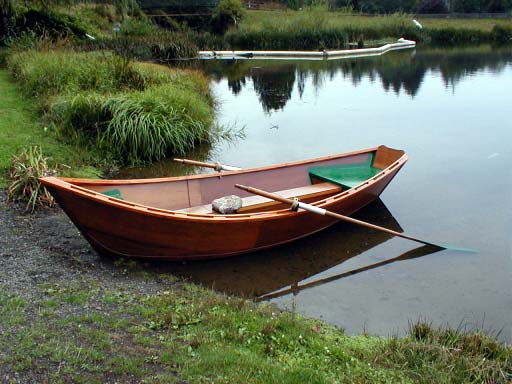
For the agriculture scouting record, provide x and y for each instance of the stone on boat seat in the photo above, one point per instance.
(227, 205)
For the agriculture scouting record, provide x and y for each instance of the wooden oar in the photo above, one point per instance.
(320, 211)
(217, 166)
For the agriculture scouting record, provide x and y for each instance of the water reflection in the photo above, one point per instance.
(260, 273)
(402, 71)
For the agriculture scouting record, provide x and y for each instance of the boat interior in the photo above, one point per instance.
(308, 180)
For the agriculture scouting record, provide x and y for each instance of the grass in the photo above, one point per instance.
(191, 334)
(132, 111)
(259, 20)
(26, 169)
(20, 129)
(300, 30)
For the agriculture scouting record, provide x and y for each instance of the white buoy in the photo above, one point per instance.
(417, 24)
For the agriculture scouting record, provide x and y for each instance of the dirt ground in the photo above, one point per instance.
(47, 247)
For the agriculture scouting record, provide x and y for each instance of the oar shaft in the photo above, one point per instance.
(216, 166)
(324, 212)
(196, 163)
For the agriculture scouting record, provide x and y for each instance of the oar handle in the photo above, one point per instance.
(321, 211)
(217, 166)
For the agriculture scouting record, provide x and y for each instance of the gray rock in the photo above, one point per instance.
(227, 205)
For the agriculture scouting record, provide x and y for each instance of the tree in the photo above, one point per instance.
(6, 16)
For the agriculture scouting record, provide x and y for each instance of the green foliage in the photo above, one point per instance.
(48, 73)
(136, 111)
(502, 34)
(19, 129)
(287, 40)
(136, 27)
(7, 16)
(26, 169)
(160, 46)
(189, 334)
(160, 120)
(231, 8)
(228, 13)
(452, 36)
(48, 23)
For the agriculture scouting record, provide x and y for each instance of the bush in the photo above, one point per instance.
(135, 27)
(26, 169)
(52, 24)
(228, 13)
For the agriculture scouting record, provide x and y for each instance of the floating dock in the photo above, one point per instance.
(308, 55)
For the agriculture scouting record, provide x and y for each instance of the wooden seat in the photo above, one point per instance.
(251, 203)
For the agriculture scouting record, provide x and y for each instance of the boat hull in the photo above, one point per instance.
(127, 230)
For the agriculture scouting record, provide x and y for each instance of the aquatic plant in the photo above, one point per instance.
(26, 168)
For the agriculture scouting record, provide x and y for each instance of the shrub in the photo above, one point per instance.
(26, 169)
(136, 27)
(51, 24)
(501, 34)
(228, 12)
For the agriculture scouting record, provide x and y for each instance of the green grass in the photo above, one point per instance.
(187, 333)
(259, 20)
(318, 29)
(131, 111)
(20, 129)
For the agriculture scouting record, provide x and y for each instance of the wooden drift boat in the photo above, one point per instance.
(172, 218)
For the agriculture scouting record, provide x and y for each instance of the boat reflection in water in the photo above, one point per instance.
(279, 271)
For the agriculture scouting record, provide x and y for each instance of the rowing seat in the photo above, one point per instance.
(345, 175)
(251, 203)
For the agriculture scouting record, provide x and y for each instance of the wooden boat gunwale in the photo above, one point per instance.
(68, 184)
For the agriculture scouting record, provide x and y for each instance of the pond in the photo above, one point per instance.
(450, 110)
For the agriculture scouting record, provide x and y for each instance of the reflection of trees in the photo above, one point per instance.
(398, 71)
(274, 87)
(407, 77)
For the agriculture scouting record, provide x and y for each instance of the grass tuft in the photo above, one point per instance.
(148, 125)
(26, 169)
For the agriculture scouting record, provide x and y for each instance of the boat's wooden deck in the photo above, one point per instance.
(256, 203)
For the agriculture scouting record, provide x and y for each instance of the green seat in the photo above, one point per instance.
(347, 176)
(114, 193)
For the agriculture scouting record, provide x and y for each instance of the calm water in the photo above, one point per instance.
(451, 111)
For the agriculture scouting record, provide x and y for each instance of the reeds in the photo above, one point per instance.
(159, 46)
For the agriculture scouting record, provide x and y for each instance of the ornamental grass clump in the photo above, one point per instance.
(148, 125)
(26, 169)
